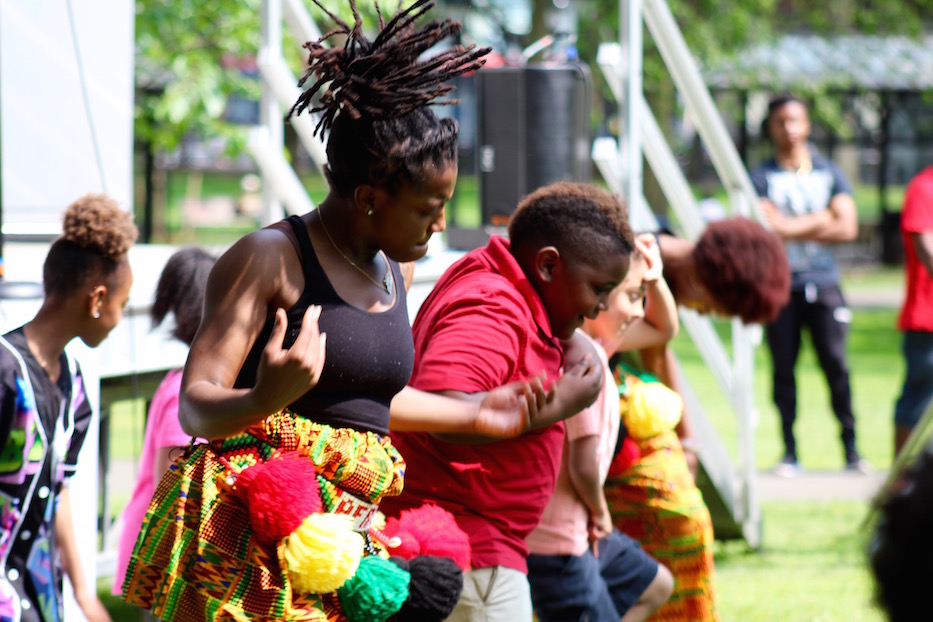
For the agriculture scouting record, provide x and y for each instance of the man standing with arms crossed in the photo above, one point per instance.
(808, 202)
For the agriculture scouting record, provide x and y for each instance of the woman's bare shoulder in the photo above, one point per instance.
(263, 260)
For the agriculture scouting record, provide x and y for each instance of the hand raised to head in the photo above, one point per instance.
(647, 246)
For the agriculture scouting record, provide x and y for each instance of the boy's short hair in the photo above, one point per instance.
(579, 219)
(744, 268)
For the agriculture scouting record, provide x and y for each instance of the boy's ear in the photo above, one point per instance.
(547, 259)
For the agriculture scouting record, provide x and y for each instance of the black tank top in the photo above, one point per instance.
(369, 356)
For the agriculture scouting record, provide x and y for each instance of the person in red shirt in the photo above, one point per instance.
(507, 312)
(916, 317)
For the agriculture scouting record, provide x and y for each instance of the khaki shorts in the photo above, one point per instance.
(492, 595)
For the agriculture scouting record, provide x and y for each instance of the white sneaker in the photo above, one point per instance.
(788, 467)
(859, 465)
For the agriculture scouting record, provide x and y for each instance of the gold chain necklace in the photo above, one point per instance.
(803, 169)
(386, 280)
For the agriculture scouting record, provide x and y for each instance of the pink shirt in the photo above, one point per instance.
(162, 430)
(917, 217)
(483, 326)
(563, 526)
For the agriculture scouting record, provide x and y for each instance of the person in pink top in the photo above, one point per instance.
(916, 318)
(580, 567)
(506, 312)
(181, 292)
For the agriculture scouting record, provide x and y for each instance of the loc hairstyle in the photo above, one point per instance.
(96, 236)
(374, 96)
(743, 266)
(903, 543)
(181, 291)
(578, 219)
(778, 101)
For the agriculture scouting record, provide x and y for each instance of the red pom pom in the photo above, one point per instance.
(628, 455)
(408, 546)
(280, 494)
(437, 533)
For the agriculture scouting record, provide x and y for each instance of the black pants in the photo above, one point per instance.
(823, 310)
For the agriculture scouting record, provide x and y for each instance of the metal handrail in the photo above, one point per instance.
(712, 130)
(735, 375)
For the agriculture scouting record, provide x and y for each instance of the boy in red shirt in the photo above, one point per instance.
(508, 312)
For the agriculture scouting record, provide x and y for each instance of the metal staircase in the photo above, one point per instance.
(729, 491)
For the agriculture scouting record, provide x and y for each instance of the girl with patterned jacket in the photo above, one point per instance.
(45, 415)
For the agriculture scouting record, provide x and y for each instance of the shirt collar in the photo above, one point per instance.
(502, 261)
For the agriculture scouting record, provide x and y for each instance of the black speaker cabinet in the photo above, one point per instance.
(532, 130)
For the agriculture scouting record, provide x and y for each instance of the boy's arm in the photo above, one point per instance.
(923, 245)
(577, 388)
(583, 468)
(504, 412)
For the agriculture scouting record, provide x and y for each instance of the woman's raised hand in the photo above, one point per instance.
(648, 248)
(284, 375)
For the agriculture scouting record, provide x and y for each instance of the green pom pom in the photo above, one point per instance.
(377, 590)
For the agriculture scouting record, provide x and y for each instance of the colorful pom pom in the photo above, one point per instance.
(280, 494)
(375, 592)
(323, 553)
(436, 584)
(405, 544)
(652, 408)
(437, 533)
(628, 455)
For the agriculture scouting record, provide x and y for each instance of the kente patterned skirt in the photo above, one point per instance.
(197, 556)
(656, 502)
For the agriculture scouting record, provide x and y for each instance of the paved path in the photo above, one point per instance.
(820, 486)
(880, 298)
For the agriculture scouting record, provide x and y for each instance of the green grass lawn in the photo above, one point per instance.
(811, 567)
(876, 371)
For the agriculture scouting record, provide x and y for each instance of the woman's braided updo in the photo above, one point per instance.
(374, 98)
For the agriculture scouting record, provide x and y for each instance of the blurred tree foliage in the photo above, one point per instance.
(718, 29)
(191, 54)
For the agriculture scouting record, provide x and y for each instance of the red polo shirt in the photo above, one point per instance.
(917, 217)
(483, 326)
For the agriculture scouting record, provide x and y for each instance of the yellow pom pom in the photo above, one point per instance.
(323, 553)
(652, 408)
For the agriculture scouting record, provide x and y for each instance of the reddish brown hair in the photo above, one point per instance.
(743, 267)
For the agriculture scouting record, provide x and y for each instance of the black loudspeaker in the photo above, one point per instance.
(532, 130)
